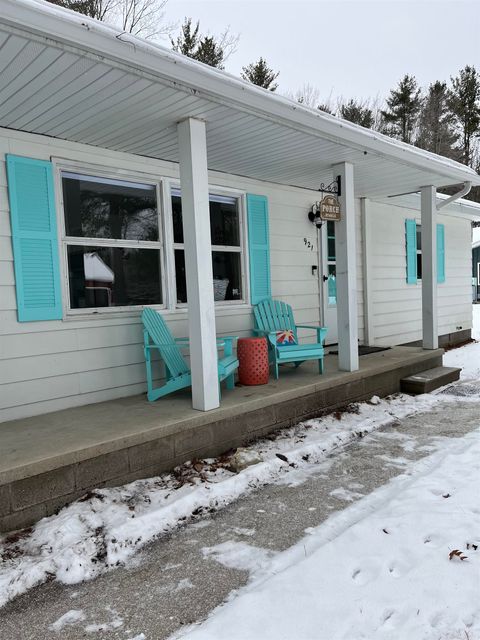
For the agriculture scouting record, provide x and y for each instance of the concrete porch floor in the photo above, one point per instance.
(49, 460)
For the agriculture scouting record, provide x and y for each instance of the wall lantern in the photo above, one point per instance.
(314, 215)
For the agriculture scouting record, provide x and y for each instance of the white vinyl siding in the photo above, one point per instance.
(51, 365)
(396, 305)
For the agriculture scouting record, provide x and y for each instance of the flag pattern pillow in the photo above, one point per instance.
(286, 336)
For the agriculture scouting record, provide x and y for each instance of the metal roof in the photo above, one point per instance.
(71, 77)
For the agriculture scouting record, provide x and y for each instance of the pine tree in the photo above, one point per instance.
(436, 123)
(259, 73)
(357, 112)
(211, 50)
(403, 104)
(326, 107)
(188, 40)
(464, 102)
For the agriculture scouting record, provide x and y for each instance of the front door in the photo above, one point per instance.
(328, 280)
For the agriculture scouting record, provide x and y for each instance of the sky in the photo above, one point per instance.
(346, 48)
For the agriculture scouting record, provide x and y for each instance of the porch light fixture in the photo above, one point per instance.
(314, 215)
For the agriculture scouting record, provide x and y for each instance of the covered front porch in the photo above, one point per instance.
(47, 461)
(83, 82)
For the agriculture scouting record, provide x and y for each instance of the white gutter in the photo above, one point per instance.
(75, 31)
(456, 196)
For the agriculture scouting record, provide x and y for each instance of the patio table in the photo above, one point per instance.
(252, 354)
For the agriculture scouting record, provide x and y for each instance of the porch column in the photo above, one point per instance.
(429, 267)
(192, 147)
(345, 244)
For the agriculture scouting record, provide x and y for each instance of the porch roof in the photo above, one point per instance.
(70, 77)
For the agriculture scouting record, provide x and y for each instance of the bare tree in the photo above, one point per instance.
(98, 9)
(145, 18)
(308, 95)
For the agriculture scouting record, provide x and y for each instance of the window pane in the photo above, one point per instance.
(180, 276)
(224, 221)
(419, 237)
(332, 285)
(177, 219)
(113, 276)
(227, 276)
(419, 266)
(104, 208)
(331, 240)
(224, 224)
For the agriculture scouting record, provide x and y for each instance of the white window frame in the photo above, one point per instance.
(164, 245)
(65, 241)
(240, 196)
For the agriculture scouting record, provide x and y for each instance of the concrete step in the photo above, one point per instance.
(427, 381)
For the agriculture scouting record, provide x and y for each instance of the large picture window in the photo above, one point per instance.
(113, 242)
(227, 248)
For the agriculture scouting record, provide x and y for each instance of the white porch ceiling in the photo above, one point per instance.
(69, 77)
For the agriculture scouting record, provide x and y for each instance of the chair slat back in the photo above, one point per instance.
(274, 315)
(161, 337)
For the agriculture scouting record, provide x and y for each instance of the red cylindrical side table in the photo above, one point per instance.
(252, 354)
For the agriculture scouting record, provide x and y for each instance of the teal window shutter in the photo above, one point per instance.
(34, 238)
(411, 247)
(259, 248)
(440, 253)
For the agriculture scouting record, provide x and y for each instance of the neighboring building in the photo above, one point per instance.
(476, 271)
(91, 216)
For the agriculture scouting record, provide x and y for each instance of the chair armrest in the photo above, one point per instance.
(321, 331)
(227, 343)
(157, 346)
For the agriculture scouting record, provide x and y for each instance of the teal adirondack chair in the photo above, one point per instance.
(156, 335)
(272, 316)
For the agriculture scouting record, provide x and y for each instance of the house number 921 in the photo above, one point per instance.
(308, 244)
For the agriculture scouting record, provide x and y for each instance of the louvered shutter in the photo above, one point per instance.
(411, 250)
(259, 248)
(440, 253)
(34, 238)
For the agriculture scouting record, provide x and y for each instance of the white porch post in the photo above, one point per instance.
(429, 267)
(345, 243)
(192, 147)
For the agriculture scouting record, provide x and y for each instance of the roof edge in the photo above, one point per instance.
(73, 29)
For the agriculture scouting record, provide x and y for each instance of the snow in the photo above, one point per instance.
(467, 357)
(238, 555)
(402, 562)
(71, 617)
(379, 569)
(106, 528)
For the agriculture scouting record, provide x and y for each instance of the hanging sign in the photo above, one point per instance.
(329, 208)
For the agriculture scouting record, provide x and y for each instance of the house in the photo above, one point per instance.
(107, 141)
(476, 264)
(133, 176)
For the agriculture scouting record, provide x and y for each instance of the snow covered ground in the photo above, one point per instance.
(403, 562)
(109, 526)
(467, 357)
